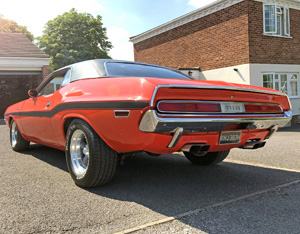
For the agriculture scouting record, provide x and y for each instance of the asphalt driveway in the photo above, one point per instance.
(251, 192)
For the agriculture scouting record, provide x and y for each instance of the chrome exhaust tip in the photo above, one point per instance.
(254, 145)
(197, 149)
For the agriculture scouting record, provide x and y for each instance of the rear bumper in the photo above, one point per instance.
(151, 122)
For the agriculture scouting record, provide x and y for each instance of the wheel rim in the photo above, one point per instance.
(14, 133)
(79, 152)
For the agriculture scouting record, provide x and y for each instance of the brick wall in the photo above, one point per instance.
(214, 41)
(229, 37)
(14, 88)
(268, 49)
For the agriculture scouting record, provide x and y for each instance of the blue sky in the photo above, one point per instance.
(138, 16)
(122, 18)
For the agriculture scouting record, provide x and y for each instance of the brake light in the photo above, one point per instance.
(189, 107)
(260, 108)
(217, 107)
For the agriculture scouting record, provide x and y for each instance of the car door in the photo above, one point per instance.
(38, 111)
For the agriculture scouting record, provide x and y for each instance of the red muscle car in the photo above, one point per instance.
(99, 110)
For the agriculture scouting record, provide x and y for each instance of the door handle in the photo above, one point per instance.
(48, 104)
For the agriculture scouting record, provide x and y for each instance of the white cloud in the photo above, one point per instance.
(200, 3)
(36, 13)
(123, 49)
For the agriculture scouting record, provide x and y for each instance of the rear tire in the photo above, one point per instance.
(17, 142)
(91, 162)
(211, 158)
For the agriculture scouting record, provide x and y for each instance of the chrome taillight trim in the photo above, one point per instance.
(214, 87)
(216, 115)
(217, 102)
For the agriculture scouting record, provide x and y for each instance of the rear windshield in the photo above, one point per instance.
(139, 70)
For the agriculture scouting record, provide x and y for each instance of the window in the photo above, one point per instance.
(284, 82)
(52, 86)
(270, 18)
(140, 70)
(56, 82)
(67, 78)
(276, 20)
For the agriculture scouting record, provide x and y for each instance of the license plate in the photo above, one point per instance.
(227, 138)
(232, 107)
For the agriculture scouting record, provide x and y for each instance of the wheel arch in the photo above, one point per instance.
(66, 121)
(9, 119)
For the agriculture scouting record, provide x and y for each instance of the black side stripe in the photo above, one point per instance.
(83, 106)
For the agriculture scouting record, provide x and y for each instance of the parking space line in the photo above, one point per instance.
(192, 212)
(261, 165)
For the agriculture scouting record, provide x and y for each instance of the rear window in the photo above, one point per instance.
(139, 70)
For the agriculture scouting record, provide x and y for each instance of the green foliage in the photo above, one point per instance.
(12, 27)
(74, 37)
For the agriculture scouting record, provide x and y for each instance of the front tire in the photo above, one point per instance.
(91, 162)
(211, 158)
(17, 142)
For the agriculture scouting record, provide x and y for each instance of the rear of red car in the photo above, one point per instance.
(206, 118)
(127, 107)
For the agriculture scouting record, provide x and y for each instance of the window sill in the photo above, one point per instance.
(270, 35)
(294, 97)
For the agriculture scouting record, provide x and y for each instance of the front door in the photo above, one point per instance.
(36, 121)
(37, 112)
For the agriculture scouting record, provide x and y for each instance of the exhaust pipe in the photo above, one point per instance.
(254, 145)
(197, 149)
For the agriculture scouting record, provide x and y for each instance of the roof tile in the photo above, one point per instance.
(18, 45)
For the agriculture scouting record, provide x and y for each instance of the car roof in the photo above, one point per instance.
(96, 68)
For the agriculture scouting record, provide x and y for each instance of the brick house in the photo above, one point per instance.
(22, 67)
(253, 42)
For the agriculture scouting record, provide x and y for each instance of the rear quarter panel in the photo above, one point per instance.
(121, 134)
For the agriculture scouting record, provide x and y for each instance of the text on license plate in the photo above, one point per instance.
(230, 138)
(232, 107)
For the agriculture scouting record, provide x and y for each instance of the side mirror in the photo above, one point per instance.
(33, 93)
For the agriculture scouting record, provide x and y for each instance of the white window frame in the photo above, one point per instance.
(285, 25)
(268, 73)
(264, 17)
(286, 21)
(289, 80)
(293, 81)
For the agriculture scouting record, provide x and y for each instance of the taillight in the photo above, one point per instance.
(217, 107)
(261, 108)
(189, 107)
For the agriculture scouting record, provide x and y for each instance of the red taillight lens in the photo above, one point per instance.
(250, 108)
(189, 107)
(214, 107)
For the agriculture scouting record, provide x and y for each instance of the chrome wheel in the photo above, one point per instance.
(91, 162)
(79, 152)
(14, 134)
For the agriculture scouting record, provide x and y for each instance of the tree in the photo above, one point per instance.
(12, 27)
(74, 37)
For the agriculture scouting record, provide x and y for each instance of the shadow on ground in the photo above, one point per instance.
(51, 156)
(293, 128)
(170, 184)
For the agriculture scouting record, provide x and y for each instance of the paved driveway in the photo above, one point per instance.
(251, 192)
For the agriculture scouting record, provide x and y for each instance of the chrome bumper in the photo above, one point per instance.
(152, 123)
